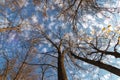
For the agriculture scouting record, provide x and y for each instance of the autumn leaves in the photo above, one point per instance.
(109, 29)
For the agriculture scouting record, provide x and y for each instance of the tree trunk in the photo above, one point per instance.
(61, 69)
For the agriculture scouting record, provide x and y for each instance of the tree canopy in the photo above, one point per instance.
(59, 40)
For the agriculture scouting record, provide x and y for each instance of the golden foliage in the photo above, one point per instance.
(107, 30)
(119, 40)
(109, 26)
(103, 29)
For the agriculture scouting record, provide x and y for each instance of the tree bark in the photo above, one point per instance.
(61, 68)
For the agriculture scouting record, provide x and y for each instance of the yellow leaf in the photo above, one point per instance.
(109, 26)
(89, 38)
(118, 32)
(92, 32)
(103, 29)
(119, 39)
(108, 31)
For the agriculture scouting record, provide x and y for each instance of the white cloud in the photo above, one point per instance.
(106, 21)
(107, 76)
(99, 15)
(85, 25)
(107, 5)
(34, 18)
(11, 37)
(71, 72)
(44, 50)
(118, 3)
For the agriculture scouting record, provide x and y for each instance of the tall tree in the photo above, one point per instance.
(60, 32)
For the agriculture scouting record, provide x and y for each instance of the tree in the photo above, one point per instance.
(56, 44)
(15, 68)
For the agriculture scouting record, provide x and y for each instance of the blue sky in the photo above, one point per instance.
(33, 14)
